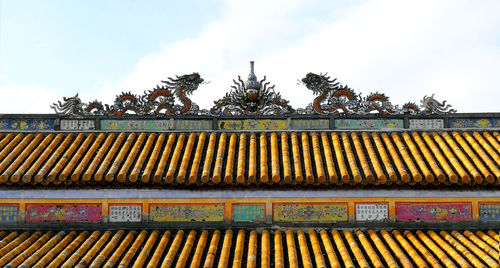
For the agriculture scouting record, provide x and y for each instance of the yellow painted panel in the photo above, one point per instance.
(253, 124)
(186, 212)
(310, 212)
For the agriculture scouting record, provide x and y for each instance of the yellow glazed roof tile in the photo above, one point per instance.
(248, 248)
(204, 158)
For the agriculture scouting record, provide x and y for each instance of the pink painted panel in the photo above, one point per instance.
(433, 211)
(63, 213)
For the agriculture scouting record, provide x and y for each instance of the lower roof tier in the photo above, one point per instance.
(250, 248)
(247, 158)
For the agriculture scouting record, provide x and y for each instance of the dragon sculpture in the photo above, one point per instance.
(159, 101)
(341, 100)
(251, 97)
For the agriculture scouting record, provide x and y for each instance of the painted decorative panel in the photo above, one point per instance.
(489, 212)
(474, 122)
(135, 125)
(125, 213)
(372, 212)
(31, 124)
(8, 213)
(77, 124)
(193, 124)
(63, 213)
(426, 123)
(35, 124)
(310, 124)
(186, 212)
(249, 212)
(251, 124)
(368, 123)
(433, 211)
(310, 212)
(8, 124)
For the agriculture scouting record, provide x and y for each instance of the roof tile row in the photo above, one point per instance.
(203, 248)
(249, 158)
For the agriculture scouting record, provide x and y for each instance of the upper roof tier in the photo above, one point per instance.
(221, 158)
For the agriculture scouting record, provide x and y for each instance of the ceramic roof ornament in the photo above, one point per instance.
(252, 97)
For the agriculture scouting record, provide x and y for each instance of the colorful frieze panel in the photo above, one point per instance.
(77, 124)
(372, 211)
(489, 211)
(186, 212)
(249, 212)
(310, 212)
(251, 124)
(135, 125)
(8, 124)
(474, 122)
(310, 124)
(125, 212)
(193, 124)
(368, 123)
(433, 212)
(63, 213)
(426, 123)
(37, 124)
(8, 212)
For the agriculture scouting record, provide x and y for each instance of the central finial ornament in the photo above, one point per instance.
(252, 97)
(252, 86)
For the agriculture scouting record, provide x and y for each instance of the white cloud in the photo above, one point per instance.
(27, 99)
(404, 49)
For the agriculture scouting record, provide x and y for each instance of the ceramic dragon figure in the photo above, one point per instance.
(334, 98)
(251, 97)
(159, 101)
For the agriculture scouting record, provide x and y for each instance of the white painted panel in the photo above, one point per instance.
(426, 123)
(372, 212)
(77, 124)
(125, 213)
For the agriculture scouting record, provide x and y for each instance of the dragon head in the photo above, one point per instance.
(319, 83)
(188, 82)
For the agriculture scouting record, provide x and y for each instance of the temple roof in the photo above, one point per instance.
(250, 248)
(248, 158)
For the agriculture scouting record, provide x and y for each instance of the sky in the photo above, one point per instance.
(405, 49)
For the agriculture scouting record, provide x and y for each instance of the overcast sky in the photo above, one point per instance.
(52, 49)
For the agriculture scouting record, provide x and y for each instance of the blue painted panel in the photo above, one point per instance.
(249, 213)
(489, 212)
(8, 213)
